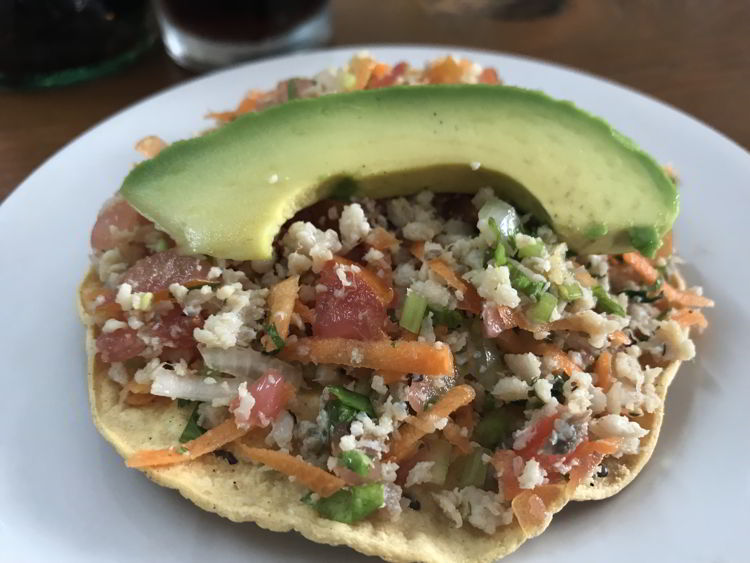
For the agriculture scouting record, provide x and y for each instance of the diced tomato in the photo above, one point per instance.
(271, 394)
(118, 215)
(496, 319)
(390, 78)
(174, 329)
(157, 272)
(354, 311)
(119, 345)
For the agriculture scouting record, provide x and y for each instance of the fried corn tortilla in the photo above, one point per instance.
(248, 493)
(440, 351)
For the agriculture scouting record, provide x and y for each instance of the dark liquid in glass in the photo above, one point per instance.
(239, 20)
(41, 37)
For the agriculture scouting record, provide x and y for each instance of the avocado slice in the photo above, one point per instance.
(227, 193)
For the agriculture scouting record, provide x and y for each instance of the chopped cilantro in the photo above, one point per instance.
(273, 334)
(192, 430)
(447, 317)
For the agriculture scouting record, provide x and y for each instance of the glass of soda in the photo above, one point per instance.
(201, 35)
(46, 43)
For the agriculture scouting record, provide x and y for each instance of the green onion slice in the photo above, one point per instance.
(606, 303)
(351, 399)
(415, 307)
(541, 312)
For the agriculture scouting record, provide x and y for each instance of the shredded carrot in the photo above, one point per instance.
(603, 371)
(380, 355)
(489, 76)
(619, 338)
(248, 104)
(314, 478)
(362, 69)
(305, 313)
(213, 439)
(523, 343)
(542, 430)
(383, 292)
(589, 455)
(381, 239)
(455, 435)
(281, 301)
(690, 317)
(380, 71)
(470, 301)
(391, 376)
(667, 246)
(410, 434)
(150, 146)
(680, 298)
(417, 249)
(502, 461)
(642, 267)
(445, 71)
(465, 418)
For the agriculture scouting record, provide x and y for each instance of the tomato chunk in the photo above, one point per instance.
(157, 272)
(118, 216)
(119, 345)
(351, 311)
(271, 394)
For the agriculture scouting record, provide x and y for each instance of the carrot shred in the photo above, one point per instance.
(248, 104)
(383, 292)
(305, 313)
(667, 246)
(603, 371)
(380, 239)
(213, 439)
(642, 267)
(502, 461)
(690, 317)
(314, 478)
(391, 376)
(380, 355)
(471, 301)
(619, 338)
(281, 300)
(455, 435)
(417, 249)
(465, 418)
(680, 298)
(521, 344)
(589, 455)
(410, 434)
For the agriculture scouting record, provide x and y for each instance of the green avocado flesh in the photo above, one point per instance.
(227, 193)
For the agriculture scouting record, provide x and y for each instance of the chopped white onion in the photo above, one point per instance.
(246, 362)
(167, 384)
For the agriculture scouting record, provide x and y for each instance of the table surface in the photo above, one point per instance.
(690, 53)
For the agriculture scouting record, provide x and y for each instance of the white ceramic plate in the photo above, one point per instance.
(65, 495)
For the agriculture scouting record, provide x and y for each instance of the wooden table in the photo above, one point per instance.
(691, 53)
